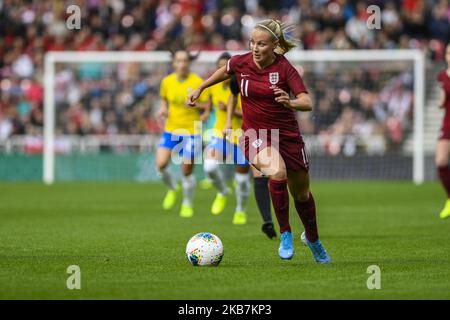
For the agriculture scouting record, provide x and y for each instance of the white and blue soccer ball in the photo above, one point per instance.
(204, 249)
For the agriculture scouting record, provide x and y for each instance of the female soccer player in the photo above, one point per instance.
(443, 146)
(227, 149)
(180, 131)
(266, 78)
(260, 182)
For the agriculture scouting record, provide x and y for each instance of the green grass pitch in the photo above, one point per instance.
(129, 248)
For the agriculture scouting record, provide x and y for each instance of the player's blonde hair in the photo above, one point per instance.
(278, 31)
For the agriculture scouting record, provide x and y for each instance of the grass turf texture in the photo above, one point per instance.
(127, 247)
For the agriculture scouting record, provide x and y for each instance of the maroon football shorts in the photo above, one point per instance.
(291, 149)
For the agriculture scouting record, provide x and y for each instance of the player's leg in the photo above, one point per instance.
(242, 178)
(190, 151)
(298, 182)
(206, 183)
(262, 197)
(305, 205)
(442, 164)
(163, 155)
(270, 162)
(214, 156)
(207, 139)
(188, 183)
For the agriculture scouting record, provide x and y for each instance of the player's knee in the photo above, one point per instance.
(187, 170)
(275, 170)
(301, 196)
(210, 165)
(161, 165)
(243, 180)
(279, 174)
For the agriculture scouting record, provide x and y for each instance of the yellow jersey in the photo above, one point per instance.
(180, 115)
(221, 93)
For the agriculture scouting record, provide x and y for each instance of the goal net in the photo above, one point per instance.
(100, 113)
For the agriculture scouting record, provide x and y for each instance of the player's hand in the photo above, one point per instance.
(193, 96)
(237, 113)
(204, 116)
(222, 106)
(227, 129)
(162, 113)
(282, 97)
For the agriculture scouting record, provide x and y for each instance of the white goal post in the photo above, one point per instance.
(416, 56)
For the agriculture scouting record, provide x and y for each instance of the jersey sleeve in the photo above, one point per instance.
(163, 89)
(231, 64)
(234, 86)
(295, 81)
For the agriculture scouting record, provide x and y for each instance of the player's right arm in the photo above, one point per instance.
(231, 106)
(164, 108)
(232, 103)
(441, 98)
(442, 94)
(218, 76)
(207, 110)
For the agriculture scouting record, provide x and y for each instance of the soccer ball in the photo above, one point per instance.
(204, 249)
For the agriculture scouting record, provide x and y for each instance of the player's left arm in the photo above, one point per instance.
(302, 101)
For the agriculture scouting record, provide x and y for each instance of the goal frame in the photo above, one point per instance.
(53, 57)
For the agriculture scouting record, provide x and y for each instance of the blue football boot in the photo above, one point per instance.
(318, 251)
(286, 249)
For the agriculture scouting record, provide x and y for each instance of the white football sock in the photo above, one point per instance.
(189, 184)
(167, 178)
(242, 190)
(211, 167)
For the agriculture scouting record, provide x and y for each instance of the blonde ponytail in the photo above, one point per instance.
(278, 29)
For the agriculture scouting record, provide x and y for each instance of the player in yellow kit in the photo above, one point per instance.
(182, 132)
(220, 149)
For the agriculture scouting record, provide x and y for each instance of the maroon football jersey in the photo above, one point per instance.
(444, 81)
(259, 108)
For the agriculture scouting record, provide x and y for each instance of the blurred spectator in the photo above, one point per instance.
(356, 27)
(439, 23)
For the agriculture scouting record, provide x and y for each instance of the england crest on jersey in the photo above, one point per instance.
(274, 77)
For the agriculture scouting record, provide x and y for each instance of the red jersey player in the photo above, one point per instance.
(266, 79)
(443, 146)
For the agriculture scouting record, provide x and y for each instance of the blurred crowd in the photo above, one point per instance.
(366, 109)
(91, 100)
